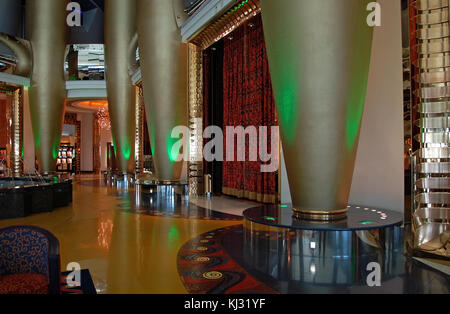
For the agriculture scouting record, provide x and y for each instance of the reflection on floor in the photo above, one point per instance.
(175, 246)
(175, 206)
(125, 252)
(223, 204)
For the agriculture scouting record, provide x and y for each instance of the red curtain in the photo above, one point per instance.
(248, 101)
(206, 99)
(233, 103)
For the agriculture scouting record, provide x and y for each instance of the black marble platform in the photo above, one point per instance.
(20, 197)
(164, 189)
(358, 218)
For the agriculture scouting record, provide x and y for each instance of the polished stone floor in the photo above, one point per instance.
(165, 247)
(125, 252)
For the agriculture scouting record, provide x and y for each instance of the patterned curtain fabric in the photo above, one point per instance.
(248, 101)
(206, 99)
(233, 106)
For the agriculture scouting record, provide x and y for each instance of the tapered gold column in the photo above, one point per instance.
(319, 55)
(46, 30)
(120, 29)
(164, 61)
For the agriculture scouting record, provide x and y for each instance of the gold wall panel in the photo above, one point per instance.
(195, 174)
(17, 134)
(139, 134)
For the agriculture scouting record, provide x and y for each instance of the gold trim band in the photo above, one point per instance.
(326, 215)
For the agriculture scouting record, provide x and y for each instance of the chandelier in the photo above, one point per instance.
(102, 117)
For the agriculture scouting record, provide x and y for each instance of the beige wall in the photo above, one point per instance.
(105, 138)
(379, 176)
(87, 141)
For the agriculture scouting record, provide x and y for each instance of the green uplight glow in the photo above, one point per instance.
(287, 100)
(358, 89)
(55, 150)
(153, 139)
(173, 235)
(115, 146)
(284, 206)
(126, 151)
(355, 114)
(240, 5)
(38, 138)
(367, 222)
(172, 153)
(269, 218)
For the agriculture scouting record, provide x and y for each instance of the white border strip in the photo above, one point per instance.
(14, 79)
(207, 13)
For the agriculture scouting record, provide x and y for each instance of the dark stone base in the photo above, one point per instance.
(20, 197)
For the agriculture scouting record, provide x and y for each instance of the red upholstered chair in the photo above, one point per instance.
(29, 261)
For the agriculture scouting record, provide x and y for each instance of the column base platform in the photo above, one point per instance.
(119, 180)
(282, 246)
(163, 188)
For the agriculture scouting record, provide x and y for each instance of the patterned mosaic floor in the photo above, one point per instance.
(205, 267)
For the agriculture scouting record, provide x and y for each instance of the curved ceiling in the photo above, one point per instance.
(93, 105)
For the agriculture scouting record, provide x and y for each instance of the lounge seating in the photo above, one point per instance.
(29, 261)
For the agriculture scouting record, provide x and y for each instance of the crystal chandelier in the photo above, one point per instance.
(102, 117)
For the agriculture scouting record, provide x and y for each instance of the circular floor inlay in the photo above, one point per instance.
(200, 270)
(212, 275)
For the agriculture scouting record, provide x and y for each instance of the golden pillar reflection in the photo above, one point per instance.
(319, 55)
(46, 30)
(120, 56)
(164, 60)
